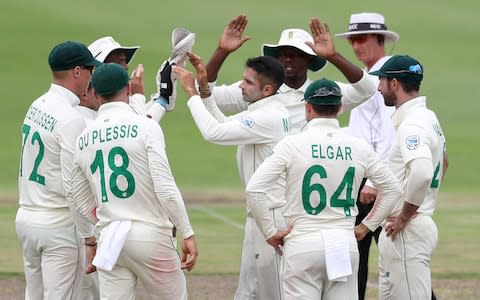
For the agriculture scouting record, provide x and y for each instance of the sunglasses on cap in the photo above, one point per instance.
(415, 69)
(87, 68)
(324, 92)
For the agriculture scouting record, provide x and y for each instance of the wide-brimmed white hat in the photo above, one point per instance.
(102, 47)
(295, 38)
(369, 23)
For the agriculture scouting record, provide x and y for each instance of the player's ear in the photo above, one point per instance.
(268, 90)
(76, 71)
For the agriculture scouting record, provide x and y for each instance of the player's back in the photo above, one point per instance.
(324, 173)
(115, 153)
(50, 123)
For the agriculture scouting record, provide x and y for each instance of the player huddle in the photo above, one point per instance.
(100, 209)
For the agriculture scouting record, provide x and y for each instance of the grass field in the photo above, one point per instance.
(441, 34)
(219, 232)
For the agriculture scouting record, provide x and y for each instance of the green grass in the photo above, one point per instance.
(219, 238)
(439, 33)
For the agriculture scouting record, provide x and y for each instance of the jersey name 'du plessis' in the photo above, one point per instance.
(331, 152)
(107, 134)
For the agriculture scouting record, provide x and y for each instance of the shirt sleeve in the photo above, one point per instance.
(164, 184)
(389, 186)
(84, 203)
(137, 103)
(414, 142)
(244, 128)
(68, 135)
(418, 178)
(356, 93)
(261, 182)
(228, 97)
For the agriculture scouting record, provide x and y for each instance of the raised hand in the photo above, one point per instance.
(231, 38)
(323, 45)
(136, 83)
(186, 78)
(200, 71)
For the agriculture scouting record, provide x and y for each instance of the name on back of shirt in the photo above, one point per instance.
(107, 134)
(337, 152)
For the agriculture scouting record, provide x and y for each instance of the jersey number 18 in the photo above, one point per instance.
(121, 170)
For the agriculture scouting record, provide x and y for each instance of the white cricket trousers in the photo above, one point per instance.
(305, 274)
(261, 267)
(404, 264)
(52, 260)
(148, 256)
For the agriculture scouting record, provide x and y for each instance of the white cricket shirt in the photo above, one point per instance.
(49, 129)
(324, 168)
(255, 132)
(121, 167)
(419, 134)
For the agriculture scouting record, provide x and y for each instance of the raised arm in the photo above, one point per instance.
(324, 47)
(231, 39)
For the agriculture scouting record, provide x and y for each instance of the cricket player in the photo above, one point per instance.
(410, 235)
(361, 88)
(45, 227)
(107, 50)
(124, 184)
(294, 51)
(324, 168)
(254, 132)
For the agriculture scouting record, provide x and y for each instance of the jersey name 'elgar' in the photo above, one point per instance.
(331, 152)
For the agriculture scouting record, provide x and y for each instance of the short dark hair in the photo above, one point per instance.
(269, 68)
(326, 110)
(408, 87)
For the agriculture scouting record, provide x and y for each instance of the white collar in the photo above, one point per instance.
(324, 123)
(72, 99)
(401, 113)
(113, 108)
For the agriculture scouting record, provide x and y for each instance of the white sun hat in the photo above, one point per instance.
(295, 38)
(102, 47)
(369, 23)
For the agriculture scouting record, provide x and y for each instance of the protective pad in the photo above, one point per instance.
(182, 42)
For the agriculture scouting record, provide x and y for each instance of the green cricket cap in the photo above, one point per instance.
(323, 92)
(402, 67)
(109, 78)
(69, 54)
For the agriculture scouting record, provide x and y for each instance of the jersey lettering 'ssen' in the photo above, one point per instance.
(308, 188)
(41, 118)
(331, 152)
(107, 134)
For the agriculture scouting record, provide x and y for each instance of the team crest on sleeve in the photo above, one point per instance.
(248, 122)
(413, 142)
